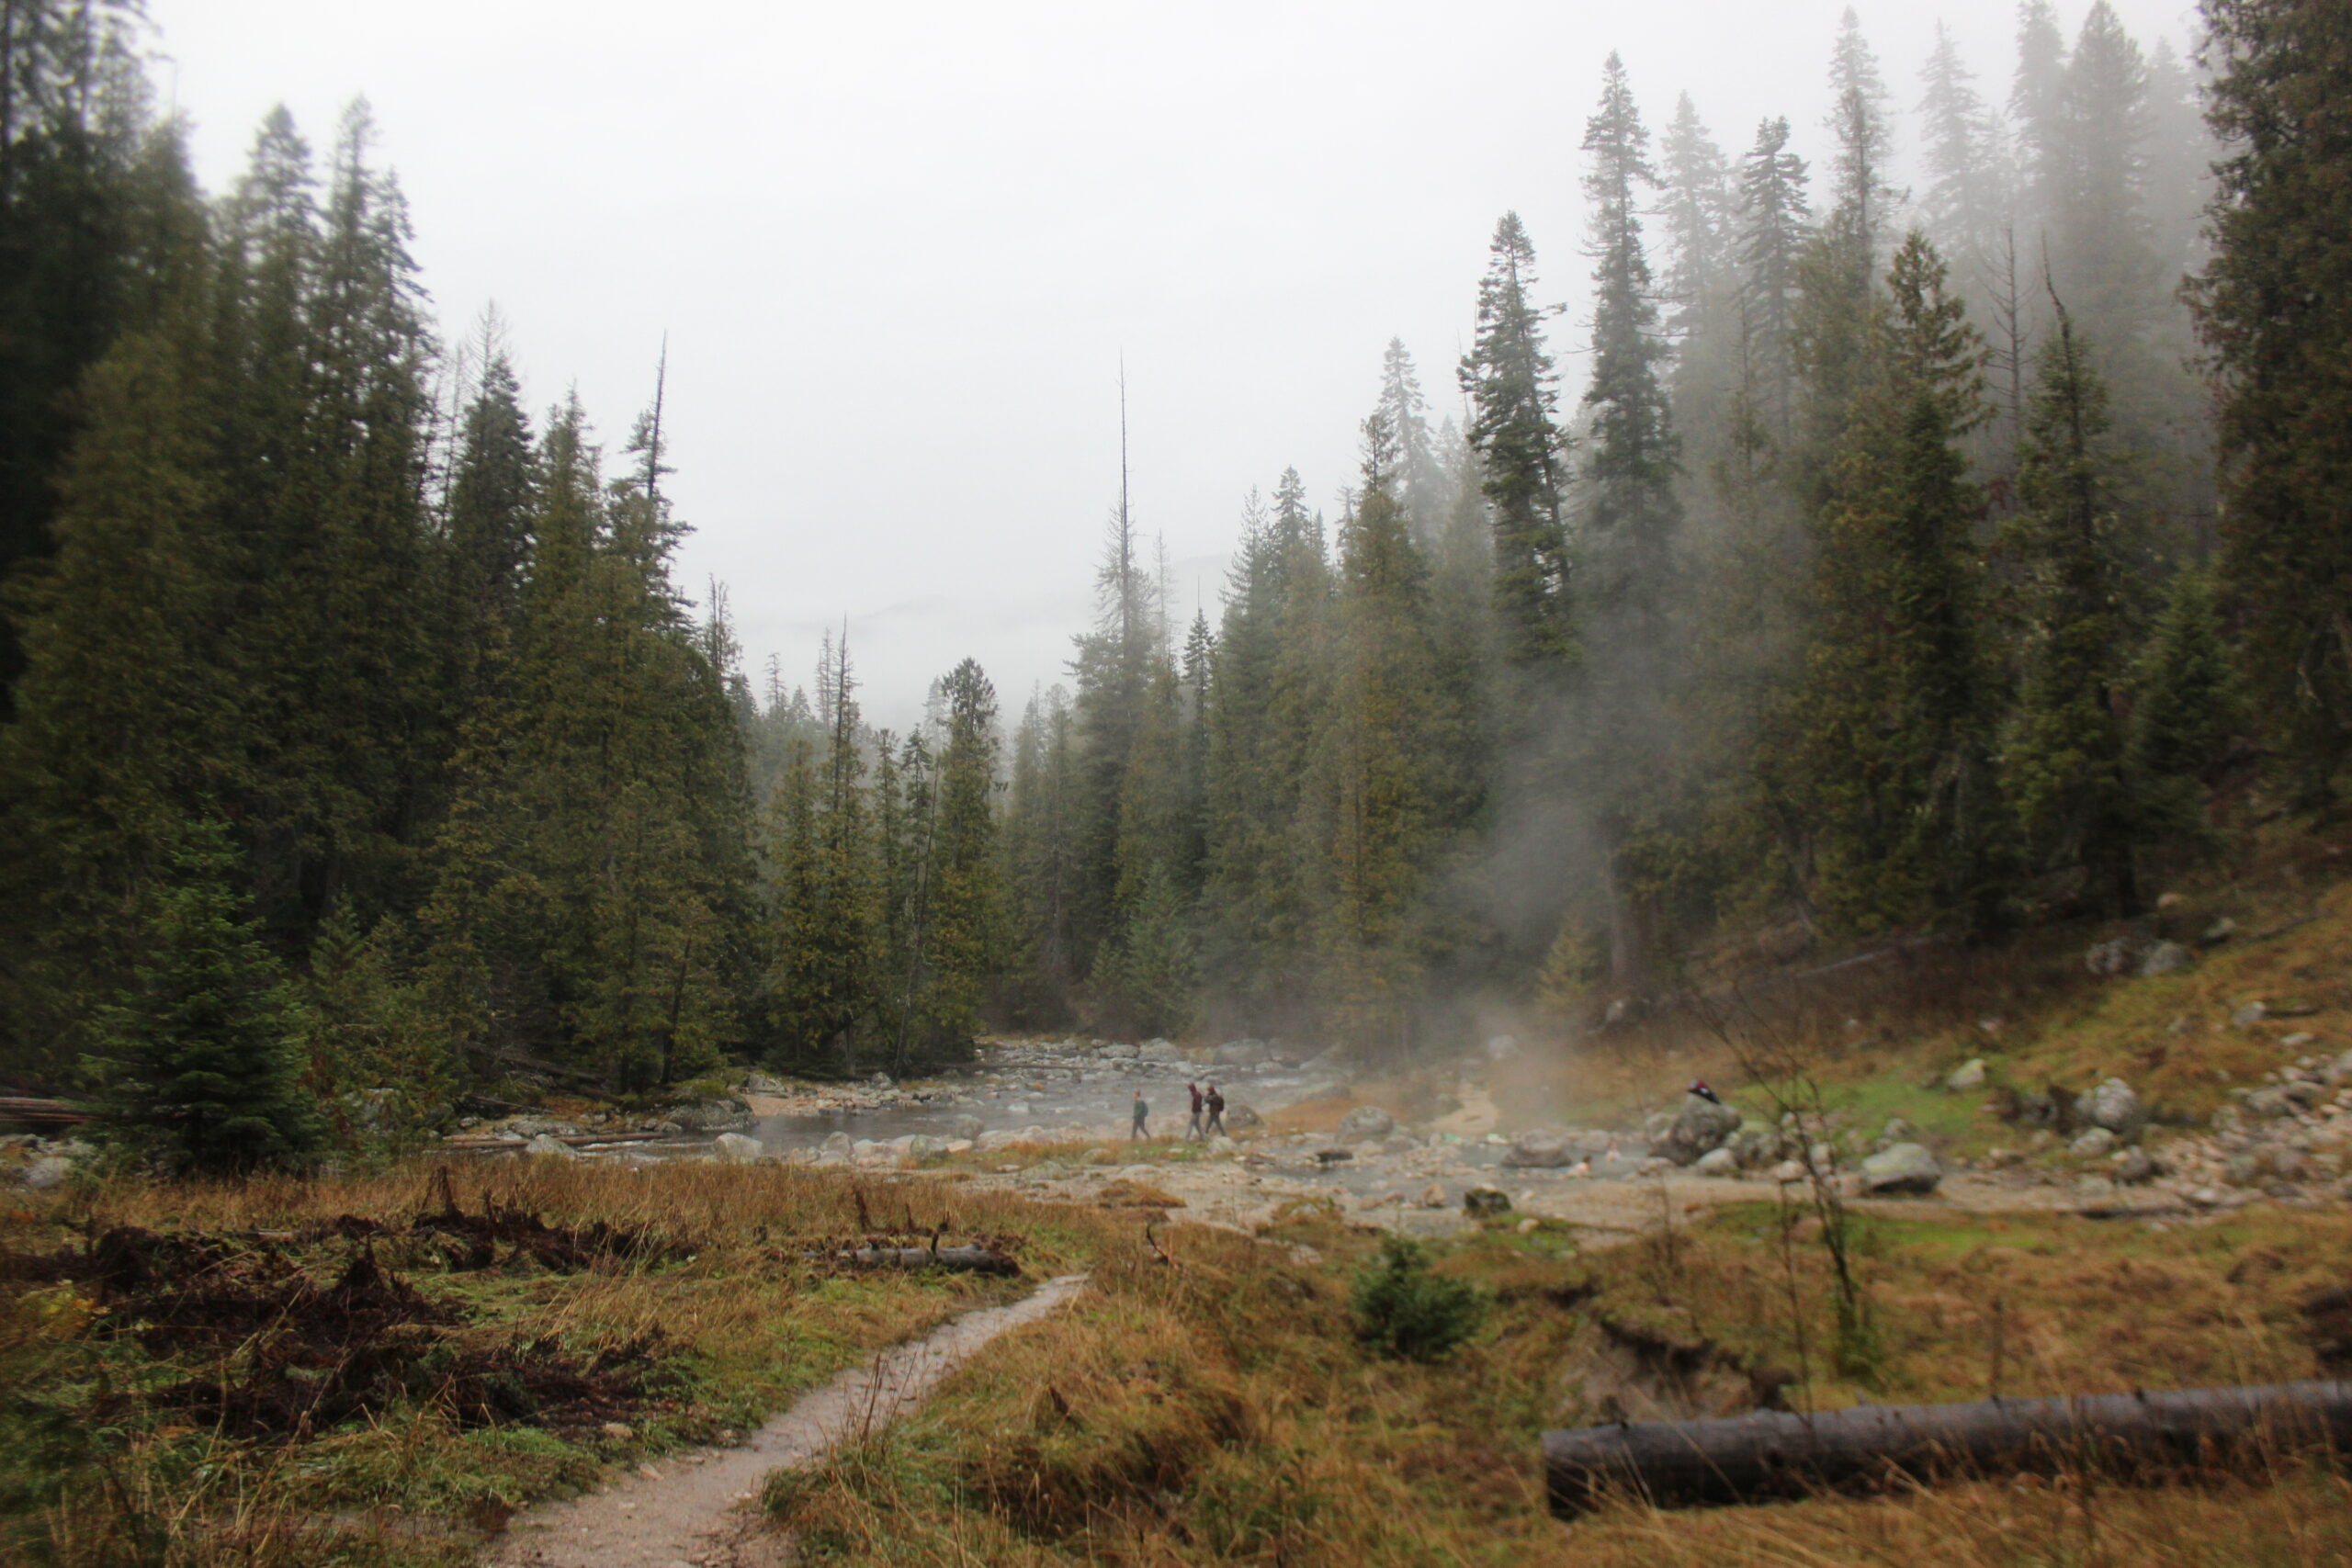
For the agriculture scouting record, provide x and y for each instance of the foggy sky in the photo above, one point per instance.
(899, 251)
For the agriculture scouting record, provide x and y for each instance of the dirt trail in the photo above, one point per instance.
(685, 1513)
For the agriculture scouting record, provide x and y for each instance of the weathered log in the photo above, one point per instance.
(30, 1113)
(576, 1140)
(966, 1260)
(1769, 1454)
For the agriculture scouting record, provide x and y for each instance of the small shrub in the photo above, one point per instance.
(1403, 1310)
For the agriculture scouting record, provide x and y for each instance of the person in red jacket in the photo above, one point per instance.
(1193, 1128)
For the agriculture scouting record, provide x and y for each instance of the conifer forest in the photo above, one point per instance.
(1866, 550)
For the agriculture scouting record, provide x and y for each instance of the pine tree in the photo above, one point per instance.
(2038, 109)
(968, 897)
(1509, 378)
(125, 719)
(2185, 705)
(1628, 523)
(1895, 711)
(1774, 227)
(1373, 755)
(1965, 209)
(197, 1061)
(2272, 306)
(2063, 761)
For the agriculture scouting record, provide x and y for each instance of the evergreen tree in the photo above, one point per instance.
(1895, 710)
(198, 1063)
(1374, 756)
(2038, 109)
(1509, 378)
(2183, 707)
(966, 899)
(1628, 523)
(1965, 208)
(2063, 763)
(2272, 309)
(1774, 226)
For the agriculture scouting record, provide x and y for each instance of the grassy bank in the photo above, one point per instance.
(373, 1371)
(1216, 1407)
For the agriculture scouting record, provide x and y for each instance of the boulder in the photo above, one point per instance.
(1433, 1196)
(1222, 1145)
(1754, 1148)
(836, 1143)
(1703, 1126)
(2338, 1072)
(1969, 1074)
(1240, 1053)
(2111, 957)
(2096, 1144)
(1481, 1201)
(737, 1149)
(965, 1127)
(550, 1145)
(1365, 1121)
(2269, 1102)
(728, 1115)
(759, 1083)
(1502, 1047)
(2165, 958)
(1543, 1148)
(2132, 1168)
(921, 1146)
(1239, 1117)
(1718, 1163)
(50, 1170)
(2114, 1106)
(1906, 1169)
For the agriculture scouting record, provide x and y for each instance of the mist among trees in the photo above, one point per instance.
(1912, 553)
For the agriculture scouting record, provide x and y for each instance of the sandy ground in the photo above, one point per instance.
(691, 1509)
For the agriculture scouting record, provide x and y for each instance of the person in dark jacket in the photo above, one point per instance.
(1138, 1130)
(1193, 1128)
(1216, 1113)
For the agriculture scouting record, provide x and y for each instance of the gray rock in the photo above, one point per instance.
(1756, 1147)
(837, 1143)
(737, 1149)
(966, 1127)
(1222, 1146)
(2096, 1144)
(1239, 1117)
(2132, 1168)
(2217, 933)
(2249, 1015)
(2165, 958)
(49, 1170)
(1543, 1148)
(1365, 1121)
(1906, 1169)
(759, 1083)
(728, 1115)
(1502, 1047)
(2111, 957)
(921, 1146)
(548, 1144)
(532, 1126)
(2271, 1102)
(2112, 1105)
(1718, 1163)
(2339, 1072)
(2306, 1096)
(1898, 1131)
(1481, 1201)
(1701, 1126)
(1967, 1076)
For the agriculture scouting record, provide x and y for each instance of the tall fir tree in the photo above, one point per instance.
(2272, 307)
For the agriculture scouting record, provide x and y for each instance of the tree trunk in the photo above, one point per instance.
(1773, 1454)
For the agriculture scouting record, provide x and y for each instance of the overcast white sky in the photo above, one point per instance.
(899, 249)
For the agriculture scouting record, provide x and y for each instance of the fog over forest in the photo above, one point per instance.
(1811, 533)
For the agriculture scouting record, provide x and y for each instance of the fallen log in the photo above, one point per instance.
(30, 1113)
(1772, 1454)
(576, 1140)
(966, 1260)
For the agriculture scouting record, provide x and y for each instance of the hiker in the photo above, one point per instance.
(1216, 1114)
(1193, 1128)
(1139, 1132)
